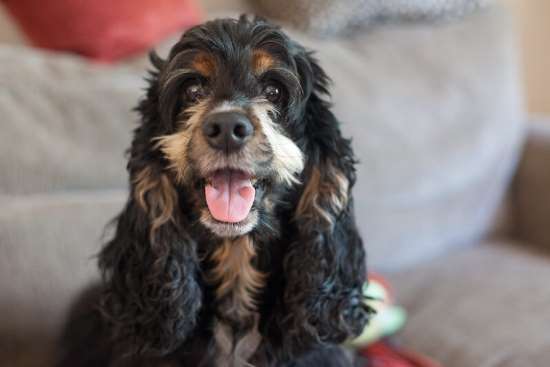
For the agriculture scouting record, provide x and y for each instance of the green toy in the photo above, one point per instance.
(388, 318)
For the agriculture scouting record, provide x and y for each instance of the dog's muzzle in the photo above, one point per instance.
(229, 193)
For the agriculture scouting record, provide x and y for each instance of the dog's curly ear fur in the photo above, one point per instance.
(325, 265)
(151, 296)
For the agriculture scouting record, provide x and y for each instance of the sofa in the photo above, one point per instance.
(452, 199)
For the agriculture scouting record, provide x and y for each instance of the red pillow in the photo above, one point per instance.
(102, 29)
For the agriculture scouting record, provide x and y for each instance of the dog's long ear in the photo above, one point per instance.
(325, 265)
(151, 297)
(329, 171)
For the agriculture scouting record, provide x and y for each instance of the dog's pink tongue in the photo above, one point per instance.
(229, 196)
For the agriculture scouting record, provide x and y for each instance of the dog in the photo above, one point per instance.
(237, 245)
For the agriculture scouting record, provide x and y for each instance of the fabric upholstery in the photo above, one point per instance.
(65, 122)
(436, 142)
(329, 17)
(486, 306)
(532, 187)
(48, 244)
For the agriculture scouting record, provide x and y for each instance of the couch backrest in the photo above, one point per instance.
(436, 116)
(434, 110)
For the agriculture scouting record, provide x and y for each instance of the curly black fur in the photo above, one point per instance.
(154, 306)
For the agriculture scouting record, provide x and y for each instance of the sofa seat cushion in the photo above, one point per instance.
(482, 306)
(48, 245)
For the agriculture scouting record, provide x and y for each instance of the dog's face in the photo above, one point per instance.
(230, 95)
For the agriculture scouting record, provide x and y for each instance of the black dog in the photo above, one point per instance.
(237, 245)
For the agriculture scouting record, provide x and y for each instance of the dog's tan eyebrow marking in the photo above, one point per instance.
(204, 64)
(261, 61)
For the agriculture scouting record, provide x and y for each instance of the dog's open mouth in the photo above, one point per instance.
(229, 195)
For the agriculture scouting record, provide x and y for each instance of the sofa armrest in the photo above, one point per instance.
(532, 186)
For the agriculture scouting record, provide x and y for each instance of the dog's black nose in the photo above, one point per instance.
(227, 131)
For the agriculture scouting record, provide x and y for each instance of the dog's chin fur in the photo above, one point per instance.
(229, 230)
(281, 288)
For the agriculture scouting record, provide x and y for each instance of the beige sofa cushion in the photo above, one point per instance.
(485, 306)
(47, 247)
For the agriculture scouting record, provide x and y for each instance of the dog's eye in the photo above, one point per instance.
(272, 92)
(195, 92)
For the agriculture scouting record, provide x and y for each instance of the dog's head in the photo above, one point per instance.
(227, 107)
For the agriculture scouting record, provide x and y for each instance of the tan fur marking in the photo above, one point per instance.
(261, 61)
(237, 283)
(155, 195)
(144, 183)
(175, 146)
(325, 194)
(234, 273)
(204, 64)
